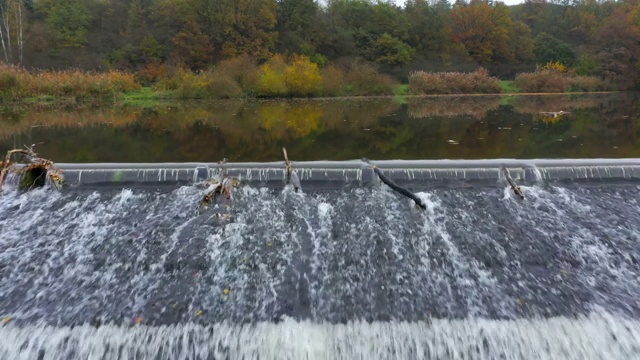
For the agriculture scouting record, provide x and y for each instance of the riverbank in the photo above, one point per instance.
(278, 79)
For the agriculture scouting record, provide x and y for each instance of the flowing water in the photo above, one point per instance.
(135, 272)
(119, 264)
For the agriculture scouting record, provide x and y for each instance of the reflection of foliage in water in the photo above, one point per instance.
(299, 118)
(597, 126)
(476, 106)
(537, 104)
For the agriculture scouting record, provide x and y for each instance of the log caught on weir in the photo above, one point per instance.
(395, 186)
(516, 189)
(32, 169)
(292, 177)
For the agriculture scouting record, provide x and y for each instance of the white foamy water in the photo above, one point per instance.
(479, 274)
(599, 336)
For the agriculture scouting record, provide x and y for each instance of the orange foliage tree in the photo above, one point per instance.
(483, 30)
(192, 48)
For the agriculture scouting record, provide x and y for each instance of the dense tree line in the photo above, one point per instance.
(600, 38)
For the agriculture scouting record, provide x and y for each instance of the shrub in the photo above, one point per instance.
(479, 81)
(364, 79)
(243, 70)
(333, 81)
(302, 77)
(587, 83)
(18, 83)
(151, 73)
(542, 81)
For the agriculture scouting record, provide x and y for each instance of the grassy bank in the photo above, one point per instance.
(294, 77)
(509, 87)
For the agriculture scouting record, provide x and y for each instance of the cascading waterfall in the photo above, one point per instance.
(338, 271)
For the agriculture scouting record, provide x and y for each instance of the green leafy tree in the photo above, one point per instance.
(427, 25)
(69, 19)
(239, 26)
(550, 49)
(393, 51)
(297, 26)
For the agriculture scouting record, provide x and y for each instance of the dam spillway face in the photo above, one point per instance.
(119, 264)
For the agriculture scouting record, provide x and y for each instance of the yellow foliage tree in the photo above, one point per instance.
(302, 76)
(272, 79)
(553, 66)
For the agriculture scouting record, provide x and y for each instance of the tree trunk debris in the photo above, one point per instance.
(32, 169)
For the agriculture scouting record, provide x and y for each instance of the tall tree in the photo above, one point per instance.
(618, 44)
(12, 20)
(427, 25)
(547, 48)
(484, 30)
(239, 26)
(297, 26)
(192, 48)
(68, 19)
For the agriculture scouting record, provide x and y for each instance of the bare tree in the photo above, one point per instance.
(8, 29)
(4, 46)
(19, 37)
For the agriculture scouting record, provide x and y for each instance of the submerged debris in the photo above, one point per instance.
(217, 187)
(225, 187)
(395, 186)
(516, 189)
(32, 169)
(292, 177)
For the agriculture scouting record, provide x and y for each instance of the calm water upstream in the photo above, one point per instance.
(340, 129)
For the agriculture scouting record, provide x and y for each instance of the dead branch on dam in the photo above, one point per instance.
(395, 186)
(32, 170)
(292, 176)
(516, 189)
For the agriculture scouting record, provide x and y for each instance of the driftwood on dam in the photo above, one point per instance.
(516, 189)
(292, 177)
(395, 186)
(32, 170)
(223, 185)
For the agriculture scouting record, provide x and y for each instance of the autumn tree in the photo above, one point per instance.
(484, 30)
(618, 44)
(521, 43)
(192, 48)
(239, 26)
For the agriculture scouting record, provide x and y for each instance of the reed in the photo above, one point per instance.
(477, 82)
(18, 84)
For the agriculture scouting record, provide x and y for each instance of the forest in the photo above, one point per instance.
(296, 47)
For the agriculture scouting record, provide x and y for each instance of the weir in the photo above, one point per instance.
(120, 265)
(529, 171)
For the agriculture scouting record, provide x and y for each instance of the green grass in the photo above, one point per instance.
(401, 90)
(145, 97)
(508, 87)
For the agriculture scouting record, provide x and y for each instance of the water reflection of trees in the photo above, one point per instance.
(448, 106)
(331, 129)
(555, 103)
